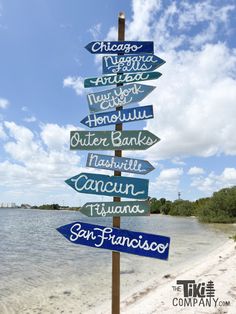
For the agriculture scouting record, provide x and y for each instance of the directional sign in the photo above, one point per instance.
(119, 96)
(130, 63)
(91, 183)
(113, 47)
(122, 164)
(121, 116)
(112, 140)
(115, 239)
(111, 209)
(120, 79)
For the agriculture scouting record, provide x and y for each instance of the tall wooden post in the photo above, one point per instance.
(116, 220)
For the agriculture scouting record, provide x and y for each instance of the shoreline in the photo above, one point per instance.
(156, 296)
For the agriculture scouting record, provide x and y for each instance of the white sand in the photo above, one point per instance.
(219, 266)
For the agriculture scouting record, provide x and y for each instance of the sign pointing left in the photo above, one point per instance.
(120, 79)
(115, 239)
(104, 47)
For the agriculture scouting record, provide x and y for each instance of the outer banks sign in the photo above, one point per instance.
(120, 79)
(118, 164)
(138, 243)
(115, 117)
(119, 96)
(111, 209)
(127, 64)
(91, 183)
(111, 140)
(113, 47)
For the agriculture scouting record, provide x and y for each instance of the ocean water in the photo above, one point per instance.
(42, 272)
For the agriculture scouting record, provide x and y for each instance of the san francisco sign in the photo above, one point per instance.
(111, 209)
(120, 79)
(123, 164)
(130, 63)
(91, 183)
(104, 47)
(115, 117)
(112, 140)
(115, 239)
(119, 96)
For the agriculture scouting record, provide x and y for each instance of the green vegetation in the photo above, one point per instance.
(220, 208)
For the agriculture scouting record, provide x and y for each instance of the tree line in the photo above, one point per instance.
(219, 208)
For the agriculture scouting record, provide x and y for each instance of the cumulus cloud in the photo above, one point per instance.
(4, 103)
(77, 83)
(214, 182)
(195, 171)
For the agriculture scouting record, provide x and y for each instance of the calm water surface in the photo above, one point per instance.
(42, 272)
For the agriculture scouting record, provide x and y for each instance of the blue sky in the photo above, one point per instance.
(43, 63)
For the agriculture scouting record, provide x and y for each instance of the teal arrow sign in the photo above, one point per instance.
(112, 140)
(119, 96)
(120, 79)
(91, 183)
(111, 209)
(123, 164)
(131, 63)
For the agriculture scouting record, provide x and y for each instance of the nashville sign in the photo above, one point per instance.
(119, 96)
(120, 79)
(91, 183)
(122, 164)
(131, 63)
(113, 47)
(111, 209)
(115, 239)
(115, 117)
(112, 140)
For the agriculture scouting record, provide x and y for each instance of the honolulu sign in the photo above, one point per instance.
(138, 243)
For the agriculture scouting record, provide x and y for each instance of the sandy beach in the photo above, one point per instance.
(219, 266)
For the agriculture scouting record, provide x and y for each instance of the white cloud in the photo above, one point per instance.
(214, 182)
(77, 83)
(95, 31)
(167, 181)
(195, 171)
(4, 103)
(30, 119)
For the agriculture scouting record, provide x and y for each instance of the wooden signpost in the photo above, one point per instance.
(119, 96)
(122, 164)
(115, 239)
(116, 117)
(111, 140)
(111, 209)
(127, 63)
(132, 64)
(100, 184)
(111, 47)
(120, 79)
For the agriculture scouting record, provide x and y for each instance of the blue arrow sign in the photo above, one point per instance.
(120, 79)
(113, 47)
(115, 117)
(130, 63)
(119, 96)
(115, 239)
(122, 164)
(91, 183)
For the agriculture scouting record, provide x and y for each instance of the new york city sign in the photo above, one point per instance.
(119, 96)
